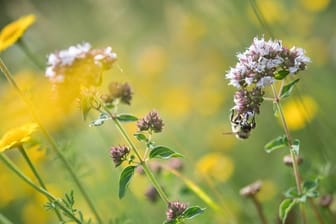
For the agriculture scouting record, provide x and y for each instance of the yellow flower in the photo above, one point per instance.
(17, 136)
(314, 5)
(299, 112)
(13, 31)
(215, 165)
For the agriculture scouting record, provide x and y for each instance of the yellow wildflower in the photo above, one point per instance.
(215, 165)
(300, 112)
(17, 136)
(14, 30)
(315, 6)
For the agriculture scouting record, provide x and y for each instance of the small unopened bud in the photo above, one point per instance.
(118, 91)
(326, 200)
(119, 154)
(151, 121)
(175, 209)
(151, 194)
(288, 161)
(251, 189)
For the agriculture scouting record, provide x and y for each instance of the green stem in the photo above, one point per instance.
(38, 177)
(259, 210)
(24, 47)
(290, 143)
(51, 141)
(4, 220)
(16, 170)
(142, 162)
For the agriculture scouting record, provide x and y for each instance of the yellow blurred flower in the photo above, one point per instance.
(215, 165)
(315, 5)
(298, 112)
(152, 60)
(17, 136)
(267, 191)
(272, 11)
(13, 31)
(177, 101)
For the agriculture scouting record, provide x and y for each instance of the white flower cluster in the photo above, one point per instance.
(59, 62)
(259, 63)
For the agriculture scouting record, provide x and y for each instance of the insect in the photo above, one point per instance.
(242, 124)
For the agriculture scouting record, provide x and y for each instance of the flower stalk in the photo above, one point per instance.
(51, 197)
(142, 161)
(38, 177)
(51, 141)
(296, 171)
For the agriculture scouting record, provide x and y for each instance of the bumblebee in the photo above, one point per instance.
(242, 124)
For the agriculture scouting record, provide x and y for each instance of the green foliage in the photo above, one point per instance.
(126, 118)
(276, 143)
(189, 213)
(280, 75)
(163, 152)
(101, 120)
(285, 207)
(295, 147)
(125, 178)
(287, 89)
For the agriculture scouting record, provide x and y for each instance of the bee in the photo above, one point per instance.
(242, 124)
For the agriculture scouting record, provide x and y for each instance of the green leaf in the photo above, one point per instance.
(309, 185)
(280, 75)
(275, 110)
(287, 89)
(191, 212)
(277, 143)
(141, 137)
(100, 121)
(285, 207)
(291, 193)
(163, 152)
(124, 180)
(295, 147)
(126, 118)
(171, 222)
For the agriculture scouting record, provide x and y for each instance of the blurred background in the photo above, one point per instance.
(175, 55)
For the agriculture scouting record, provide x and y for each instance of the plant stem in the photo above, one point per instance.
(24, 47)
(142, 162)
(4, 220)
(51, 141)
(16, 170)
(290, 143)
(38, 177)
(259, 209)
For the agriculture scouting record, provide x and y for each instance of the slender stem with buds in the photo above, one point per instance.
(51, 197)
(142, 161)
(290, 143)
(52, 142)
(38, 177)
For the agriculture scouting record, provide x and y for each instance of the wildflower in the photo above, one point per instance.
(17, 136)
(119, 154)
(248, 101)
(216, 166)
(118, 91)
(251, 190)
(79, 63)
(14, 30)
(151, 194)
(175, 209)
(258, 65)
(151, 122)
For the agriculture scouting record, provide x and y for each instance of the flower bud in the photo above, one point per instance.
(151, 122)
(251, 190)
(288, 161)
(326, 200)
(119, 154)
(175, 209)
